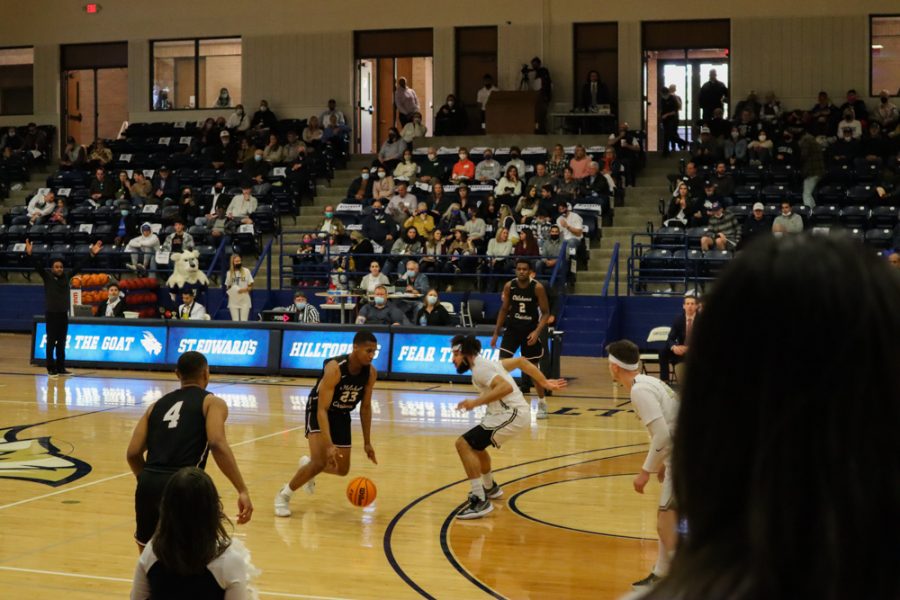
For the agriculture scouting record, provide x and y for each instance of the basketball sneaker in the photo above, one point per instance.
(495, 491)
(310, 486)
(646, 583)
(542, 409)
(66, 373)
(476, 509)
(283, 502)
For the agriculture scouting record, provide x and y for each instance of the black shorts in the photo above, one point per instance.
(147, 496)
(338, 425)
(514, 339)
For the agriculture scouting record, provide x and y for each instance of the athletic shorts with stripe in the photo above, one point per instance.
(495, 429)
(513, 339)
(338, 426)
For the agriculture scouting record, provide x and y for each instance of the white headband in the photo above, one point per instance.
(624, 365)
(456, 348)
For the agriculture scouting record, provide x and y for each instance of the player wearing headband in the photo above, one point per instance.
(507, 414)
(657, 407)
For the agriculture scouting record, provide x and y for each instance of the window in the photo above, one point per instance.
(884, 33)
(190, 74)
(16, 81)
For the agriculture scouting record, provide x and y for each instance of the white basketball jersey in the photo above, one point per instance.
(483, 373)
(653, 399)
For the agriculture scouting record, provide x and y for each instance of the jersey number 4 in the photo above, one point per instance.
(173, 414)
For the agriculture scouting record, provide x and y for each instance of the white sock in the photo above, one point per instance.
(663, 560)
(477, 488)
(287, 491)
(487, 480)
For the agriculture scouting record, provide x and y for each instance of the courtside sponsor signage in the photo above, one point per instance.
(222, 347)
(108, 343)
(305, 349)
(430, 354)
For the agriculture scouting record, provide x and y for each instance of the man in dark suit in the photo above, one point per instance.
(114, 305)
(594, 92)
(165, 185)
(677, 344)
(596, 187)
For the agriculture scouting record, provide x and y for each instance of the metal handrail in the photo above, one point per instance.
(613, 267)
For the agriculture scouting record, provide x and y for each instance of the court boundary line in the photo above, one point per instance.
(389, 530)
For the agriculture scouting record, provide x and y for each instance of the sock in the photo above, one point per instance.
(477, 488)
(663, 560)
(287, 491)
(487, 480)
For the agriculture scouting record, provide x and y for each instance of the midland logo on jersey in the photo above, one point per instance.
(108, 343)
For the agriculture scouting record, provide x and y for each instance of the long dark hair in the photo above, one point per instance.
(785, 462)
(191, 530)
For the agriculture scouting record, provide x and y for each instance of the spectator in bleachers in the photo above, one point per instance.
(628, 151)
(596, 187)
(725, 232)
(335, 135)
(694, 180)
(724, 181)
(421, 220)
(812, 165)
(527, 206)
(412, 281)
(755, 225)
(760, 149)
(541, 177)
(246, 151)
(126, 225)
(60, 213)
(294, 148)
(788, 221)
(224, 99)
(123, 191)
(207, 137)
(498, 262)
(465, 201)
(313, 133)
(329, 224)
(786, 151)
(102, 188)
(711, 195)
(750, 103)
(770, 112)
(142, 248)
(859, 108)
(101, 155)
(850, 122)
(332, 111)
(39, 208)
(406, 101)
(463, 169)
(437, 201)
(179, 240)
(256, 171)
(73, 155)
(593, 92)
(407, 246)
(823, 116)
(165, 184)
(719, 126)
(579, 163)
(361, 251)
(845, 149)
(460, 253)
(527, 246)
(484, 94)
(217, 222)
(140, 189)
(684, 209)
(241, 207)
(613, 166)
(414, 129)
(713, 94)
(515, 160)
(162, 100)
(475, 227)
(509, 188)
(557, 162)
(549, 254)
(432, 261)
(391, 151)
(378, 226)
(273, 153)
(113, 306)
(11, 140)
(876, 148)
(263, 119)
(488, 209)
(569, 188)
(374, 278)
(705, 151)
(735, 147)
(381, 311)
(307, 313)
(224, 155)
(406, 168)
(488, 169)
(547, 201)
(402, 205)
(361, 187)
(431, 169)
(886, 112)
(36, 140)
(572, 227)
(669, 107)
(507, 220)
(451, 218)
(432, 313)
(451, 118)
(238, 120)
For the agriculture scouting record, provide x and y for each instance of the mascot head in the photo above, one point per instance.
(186, 270)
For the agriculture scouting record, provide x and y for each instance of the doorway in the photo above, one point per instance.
(376, 82)
(688, 70)
(95, 103)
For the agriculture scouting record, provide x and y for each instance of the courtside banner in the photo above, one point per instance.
(429, 353)
(114, 344)
(223, 347)
(307, 349)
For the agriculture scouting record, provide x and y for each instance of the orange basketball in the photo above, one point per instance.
(76, 282)
(361, 492)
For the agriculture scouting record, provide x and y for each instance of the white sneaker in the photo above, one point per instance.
(310, 486)
(542, 409)
(283, 502)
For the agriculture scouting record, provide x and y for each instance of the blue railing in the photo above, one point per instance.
(612, 272)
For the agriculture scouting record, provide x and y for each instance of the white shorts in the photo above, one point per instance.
(666, 495)
(496, 428)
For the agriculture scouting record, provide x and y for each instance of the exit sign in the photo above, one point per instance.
(91, 9)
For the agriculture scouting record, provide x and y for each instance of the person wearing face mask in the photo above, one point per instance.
(224, 99)
(885, 112)
(431, 170)
(788, 221)
(850, 121)
(413, 281)
(515, 160)
(238, 284)
(421, 220)
(306, 312)
(391, 151)
(451, 118)
(484, 94)
(855, 103)
(330, 225)
(378, 226)
(464, 169)
(256, 171)
(263, 119)
(760, 149)
(406, 168)
(238, 120)
(142, 248)
(488, 169)
(433, 313)
(550, 255)
(380, 311)
(452, 218)
(114, 305)
(406, 101)
(414, 129)
(360, 188)
(845, 149)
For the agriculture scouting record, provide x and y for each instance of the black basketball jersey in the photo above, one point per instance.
(348, 392)
(523, 306)
(176, 431)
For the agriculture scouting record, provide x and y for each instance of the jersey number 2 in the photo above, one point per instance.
(173, 414)
(521, 307)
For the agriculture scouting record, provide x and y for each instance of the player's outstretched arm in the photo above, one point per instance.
(216, 415)
(365, 415)
(511, 364)
(138, 444)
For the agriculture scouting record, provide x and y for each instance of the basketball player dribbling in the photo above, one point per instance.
(507, 414)
(656, 405)
(346, 381)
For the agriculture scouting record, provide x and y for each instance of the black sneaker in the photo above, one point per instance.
(65, 373)
(476, 509)
(495, 491)
(646, 583)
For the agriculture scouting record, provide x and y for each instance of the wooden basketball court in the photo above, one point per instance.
(568, 526)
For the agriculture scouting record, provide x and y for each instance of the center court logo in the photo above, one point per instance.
(151, 344)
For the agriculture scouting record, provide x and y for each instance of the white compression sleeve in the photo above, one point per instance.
(660, 445)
